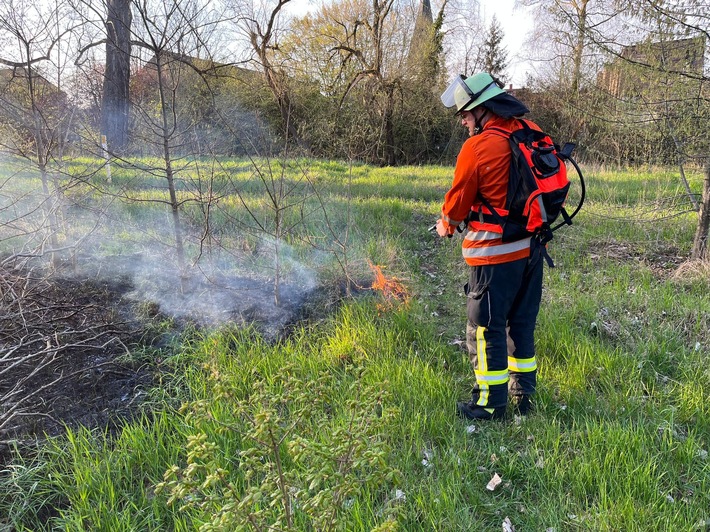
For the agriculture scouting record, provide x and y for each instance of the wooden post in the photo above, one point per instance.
(700, 242)
(104, 151)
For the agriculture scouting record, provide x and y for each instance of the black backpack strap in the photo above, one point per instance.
(538, 242)
(565, 216)
(497, 218)
(524, 124)
(493, 217)
(568, 217)
(503, 132)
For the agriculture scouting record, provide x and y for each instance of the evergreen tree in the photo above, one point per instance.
(495, 55)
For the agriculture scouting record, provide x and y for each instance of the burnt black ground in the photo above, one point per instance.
(100, 323)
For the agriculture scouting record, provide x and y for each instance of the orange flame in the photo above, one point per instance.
(391, 288)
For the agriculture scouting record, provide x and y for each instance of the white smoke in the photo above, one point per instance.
(133, 246)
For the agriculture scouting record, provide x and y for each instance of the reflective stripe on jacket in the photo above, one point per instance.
(482, 169)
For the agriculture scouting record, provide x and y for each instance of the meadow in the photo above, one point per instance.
(348, 422)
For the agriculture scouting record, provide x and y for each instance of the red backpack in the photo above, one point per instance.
(537, 186)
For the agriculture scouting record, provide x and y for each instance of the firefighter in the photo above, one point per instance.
(505, 279)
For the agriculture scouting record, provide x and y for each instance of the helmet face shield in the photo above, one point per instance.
(457, 94)
(466, 93)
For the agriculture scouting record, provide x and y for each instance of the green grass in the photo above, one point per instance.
(619, 441)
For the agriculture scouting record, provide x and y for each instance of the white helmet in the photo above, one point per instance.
(466, 93)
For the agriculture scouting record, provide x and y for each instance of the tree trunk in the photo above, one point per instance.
(579, 45)
(168, 127)
(277, 85)
(700, 242)
(115, 103)
(40, 132)
(389, 128)
(277, 256)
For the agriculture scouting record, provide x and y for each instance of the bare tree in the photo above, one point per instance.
(665, 75)
(566, 27)
(700, 249)
(683, 19)
(107, 24)
(363, 41)
(262, 25)
(464, 32)
(172, 34)
(36, 112)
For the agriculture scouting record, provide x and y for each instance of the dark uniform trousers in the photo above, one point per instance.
(503, 301)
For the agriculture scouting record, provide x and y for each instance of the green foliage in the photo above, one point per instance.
(285, 473)
(349, 423)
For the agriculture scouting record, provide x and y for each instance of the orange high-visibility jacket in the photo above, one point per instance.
(482, 168)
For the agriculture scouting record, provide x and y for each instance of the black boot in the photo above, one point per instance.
(522, 405)
(471, 410)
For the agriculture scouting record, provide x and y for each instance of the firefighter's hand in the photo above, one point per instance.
(440, 229)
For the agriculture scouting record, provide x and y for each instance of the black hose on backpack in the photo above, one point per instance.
(581, 200)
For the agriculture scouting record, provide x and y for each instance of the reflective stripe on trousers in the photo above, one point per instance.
(503, 301)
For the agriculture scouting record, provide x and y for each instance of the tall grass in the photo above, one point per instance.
(619, 439)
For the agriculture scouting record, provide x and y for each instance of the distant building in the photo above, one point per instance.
(32, 109)
(629, 73)
(15, 89)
